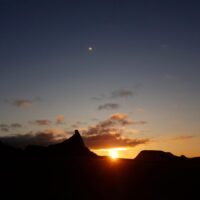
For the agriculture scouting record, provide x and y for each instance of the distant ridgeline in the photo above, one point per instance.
(69, 170)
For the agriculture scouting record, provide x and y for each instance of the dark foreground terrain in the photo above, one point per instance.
(69, 170)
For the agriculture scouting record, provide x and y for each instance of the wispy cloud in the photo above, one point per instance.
(184, 137)
(4, 129)
(4, 125)
(121, 93)
(16, 125)
(78, 124)
(8, 127)
(42, 122)
(108, 106)
(123, 119)
(23, 102)
(101, 97)
(133, 131)
(119, 116)
(60, 119)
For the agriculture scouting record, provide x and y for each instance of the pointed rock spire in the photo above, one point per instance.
(76, 140)
(72, 146)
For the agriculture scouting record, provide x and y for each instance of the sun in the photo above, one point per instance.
(113, 154)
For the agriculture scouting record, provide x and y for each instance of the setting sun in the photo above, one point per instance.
(113, 154)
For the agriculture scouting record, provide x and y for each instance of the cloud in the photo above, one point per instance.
(7, 127)
(22, 103)
(52, 136)
(99, 98)
(108, 133)
(56, 132)
(100, 129)
(119, 116)
(16, 125)
(140, 122)
(111, 141)
(184, 137)
(133, 131)
(43, 138)
(111, 132)
(78, 124)
(103, 127)
(111, 125)
(115, 94)
(4, 126)
(124, 120)
(101, 136)
(60, 119)
(95, 119)
(42, 122)
(108, 106)
(121, 93)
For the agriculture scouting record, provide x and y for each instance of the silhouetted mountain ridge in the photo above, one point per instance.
(74, 146)
(7, 150)
(157, 156)
(69, 170)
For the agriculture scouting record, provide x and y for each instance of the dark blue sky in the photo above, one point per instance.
(146, 51)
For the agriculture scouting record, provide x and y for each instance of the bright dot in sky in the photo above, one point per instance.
(113, 154)
(90, 49)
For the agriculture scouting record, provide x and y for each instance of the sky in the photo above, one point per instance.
(124, 73)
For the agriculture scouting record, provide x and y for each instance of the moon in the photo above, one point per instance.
(90, 49)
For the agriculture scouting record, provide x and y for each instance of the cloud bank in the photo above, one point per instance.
(8, 127)
(112, 140)
(43, 138)
(107, 133)
(108, 106)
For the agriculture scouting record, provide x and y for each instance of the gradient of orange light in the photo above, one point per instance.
(121, 152)
(189, 148)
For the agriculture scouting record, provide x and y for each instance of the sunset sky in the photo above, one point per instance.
(126, 73)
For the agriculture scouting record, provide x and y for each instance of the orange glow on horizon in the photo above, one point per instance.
(113, 154)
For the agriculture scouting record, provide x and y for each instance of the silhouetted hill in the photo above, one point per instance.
(69, 170)
(73, 146)
(156, 156)
(8, 151)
